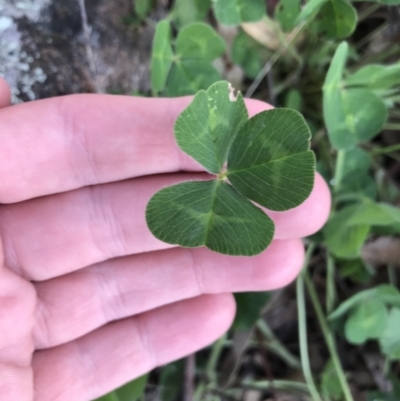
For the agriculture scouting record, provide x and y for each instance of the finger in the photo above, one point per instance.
(50, 236)
(17, 312)
(73, 305)
(107, 358)
(65, 143)
(5, 93)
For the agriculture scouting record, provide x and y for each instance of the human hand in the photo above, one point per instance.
(89, 299)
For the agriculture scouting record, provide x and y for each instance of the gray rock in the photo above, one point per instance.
(47, 49)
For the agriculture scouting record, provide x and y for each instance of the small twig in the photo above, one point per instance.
(189, 376)
(89, 51)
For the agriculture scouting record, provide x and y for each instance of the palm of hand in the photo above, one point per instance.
(89, 298)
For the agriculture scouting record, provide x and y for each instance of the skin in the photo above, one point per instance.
(89, 299)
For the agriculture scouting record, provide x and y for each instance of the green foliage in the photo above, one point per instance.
(343, 239)
(234, 12)
(269, 162)
(373, 314)
(184, 68)
(356, 178)
(171, 380)
(130, 392)
(286, 13)
(390, 339)
(366, 321)
(249, 306)
(143, 7)
(248, 54)
(352, 115)
(375, 76)
(336, 19)
(186, 12)
(330, 383)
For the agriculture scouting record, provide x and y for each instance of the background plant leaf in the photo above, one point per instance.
(199, 41)
(337, 19)
(249, 306)
(367, 321)
(270, 161)
(248, 54)
(309, 11)
(129, 392)
(375, 214)
(344, 240)
(171, 380)
(186, 12)
(209, 213)
(390, 339)
(375, 76)
(189, 76)
(356, 178)
(162, 55)
(286, 13)
(207, 127)
(234, 12)
(351, 115)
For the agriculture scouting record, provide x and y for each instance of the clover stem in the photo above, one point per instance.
(339, 170)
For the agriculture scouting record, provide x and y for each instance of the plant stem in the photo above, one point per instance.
(276, 346)
(394, 127)
(392, 275)
(329, 339)
(301, 308)
(368, 11)
(216, 350)
(339, 169)
(288, 385)
(387, 149)
(330, 284)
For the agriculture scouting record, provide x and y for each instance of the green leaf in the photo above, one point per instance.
(270, 161)
(186, 12)
(355, 270)
(199, 41)
(205, 130)
(367, 321)
(375, 76)
(162, 55)
(337, 19)
(344, 240)
(234, 12)
(171, 381)
(310, 10)
(189, 76)
(356, 179)
(108, 397)
(209, 213)
(294, 100)
(129, 392)
(390, 338)
(375, 214)
(351, 115)
(388, 294)
(351, 303)
(249, 306)
(143, 7)
(248, 54)
(133, 390)
(286, 13)
(330, 382)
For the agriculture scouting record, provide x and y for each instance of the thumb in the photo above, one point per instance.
(5, 93)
